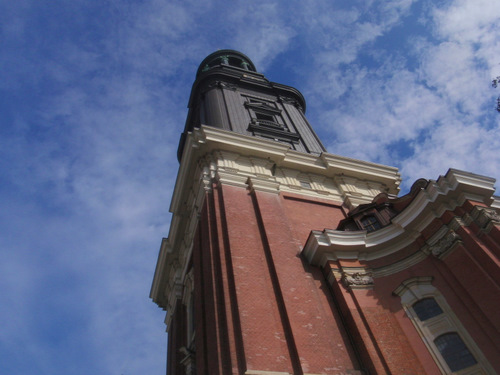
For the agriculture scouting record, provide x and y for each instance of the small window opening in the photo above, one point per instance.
(264, 117)
(370, 223)
(454, 351)
(427, 308)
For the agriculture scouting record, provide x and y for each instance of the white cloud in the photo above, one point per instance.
(467, 21)
(451, 69)
(92, 118)
(336, 35)
(257, 28)
(403, 112)
(456, 145)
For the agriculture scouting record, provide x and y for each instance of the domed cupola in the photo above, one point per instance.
(226, 57)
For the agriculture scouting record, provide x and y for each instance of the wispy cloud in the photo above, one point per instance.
(437, 78)
(93, 100)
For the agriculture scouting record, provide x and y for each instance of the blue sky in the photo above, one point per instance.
(93, 98)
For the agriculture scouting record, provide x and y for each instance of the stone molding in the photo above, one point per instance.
(441, 244)
(419, 284)
(329, 165)
(445, 194)
(418, 288)
(188, 286)
(175, 295)
(214, 156)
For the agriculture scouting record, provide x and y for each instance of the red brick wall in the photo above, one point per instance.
(468, 278)
(176, 339)
(259, 305)
(306, 214)
(320, 340)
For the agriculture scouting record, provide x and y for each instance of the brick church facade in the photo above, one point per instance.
(285, 259)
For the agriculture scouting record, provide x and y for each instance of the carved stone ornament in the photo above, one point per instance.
(223, 85)
(207, 179)
(189, 360)
(485, 216)
(208, 175)
(357, 280)
(445, 243)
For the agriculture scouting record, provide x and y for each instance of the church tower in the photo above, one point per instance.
(285, 259)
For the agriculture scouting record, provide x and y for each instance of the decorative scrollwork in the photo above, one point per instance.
(486, 215)
(357, 279)
(445, 243)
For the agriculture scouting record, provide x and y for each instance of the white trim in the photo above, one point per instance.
(213, 155)
(445, 194)
(418, 288)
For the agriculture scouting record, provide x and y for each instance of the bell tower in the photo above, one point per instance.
(285, 259)
(254, 179)
(229, 94)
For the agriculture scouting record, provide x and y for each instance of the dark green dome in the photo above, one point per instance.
(226, 57)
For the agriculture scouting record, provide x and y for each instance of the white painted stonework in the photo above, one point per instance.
(447, 193)
(212, 156)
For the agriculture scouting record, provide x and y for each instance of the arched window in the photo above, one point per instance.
(426, 308)
(454, 351)
(447, 340)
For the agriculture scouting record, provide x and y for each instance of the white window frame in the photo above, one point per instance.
(418, 288)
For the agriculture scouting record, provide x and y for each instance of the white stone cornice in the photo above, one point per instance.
(472, 186)
(455, 177)
(406, 227)
(159, 277)
(325, 164)
(364, 170)
(232, 179)
(496, 202)
(213, 155)
(416, 208)
(266, 185)
(231, 141)
(312, 162)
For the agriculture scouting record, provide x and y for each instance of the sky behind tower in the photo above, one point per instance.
(93, 98)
